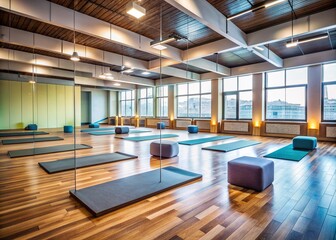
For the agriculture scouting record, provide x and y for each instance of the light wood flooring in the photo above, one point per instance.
(301, 203)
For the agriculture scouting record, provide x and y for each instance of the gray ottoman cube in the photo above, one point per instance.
(168, 148)
(251, 172)
(121, 130)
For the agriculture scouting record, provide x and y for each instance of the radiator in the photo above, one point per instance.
(291, 129)
(331, 132)
(236, 126)
(153, 121)
(182, 123)
(126, 121)
(203, 124)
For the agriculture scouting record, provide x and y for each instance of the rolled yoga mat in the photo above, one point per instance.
(69, 163)
(46, 150)
(30, 140)
(15, 134)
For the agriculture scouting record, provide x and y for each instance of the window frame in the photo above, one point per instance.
(158, 99)
(200, 94)
(146, 99)
(322, 98)
(133, 102)
(236, 93)
(286, 87)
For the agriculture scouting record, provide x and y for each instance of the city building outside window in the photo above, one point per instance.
(286, 92)
(127, 103)
(237, 97)
(146, 102)
(162, 101)
(329, 92)
(194, 100)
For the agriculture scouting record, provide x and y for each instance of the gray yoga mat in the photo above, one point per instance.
(107, 197)
(69, 163)
(15, 134)
(113, 132)
(101, 129)
(148, 137)
(231, 146)
(30, 140)
(46, 150)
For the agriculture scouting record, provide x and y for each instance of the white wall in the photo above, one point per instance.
(99, 105)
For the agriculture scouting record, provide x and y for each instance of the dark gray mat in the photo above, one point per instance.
(69, 163)
(148, 137)
(30, 140)
(107, 197)
(45, 150)
(15, 134)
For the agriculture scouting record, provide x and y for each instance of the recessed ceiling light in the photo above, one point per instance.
(259, 48)
(145, 73)
(135, 10)
(116, 84)
(159, 47)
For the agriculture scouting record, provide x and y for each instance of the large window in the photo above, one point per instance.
(329, 92)
(286, 94)
(127, 103)
(194, 99)
(146, 102)
(237, 97)
(162, 101)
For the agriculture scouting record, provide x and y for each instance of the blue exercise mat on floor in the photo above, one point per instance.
(288, 153)
(113, 132)
(148, 137)
(204, 140)
(232, 146)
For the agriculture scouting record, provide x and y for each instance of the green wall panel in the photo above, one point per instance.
(69, 106)
(52, 122)
(60, 106)
(27, 103)
(15, 108)
(78, 105)
(4, 104)
(42, 105)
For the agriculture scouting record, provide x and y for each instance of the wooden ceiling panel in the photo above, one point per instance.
(268, 17)
(30, 25)
(173, 20)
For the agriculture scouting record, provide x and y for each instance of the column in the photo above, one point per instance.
(216, 105)
(257, 103)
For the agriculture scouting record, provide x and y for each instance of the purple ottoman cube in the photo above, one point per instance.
(251, 172)
(168, 148)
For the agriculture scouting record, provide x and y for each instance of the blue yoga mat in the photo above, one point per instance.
(148, 137)
(204, 140)
(232, 146)
(288, 153)
(100, 133)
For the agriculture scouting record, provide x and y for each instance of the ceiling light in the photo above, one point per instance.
(32, 81)
(259, 48)
(75, 57)
(305, 40)
(116, 84)
(145, 73)
(135, 10)
(256, 9)
(159, 46)
(273, 3)
(108, 74)
(157, 43)
(128, 71)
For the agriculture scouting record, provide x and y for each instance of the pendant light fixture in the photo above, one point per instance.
(135, 10)
(74, 57)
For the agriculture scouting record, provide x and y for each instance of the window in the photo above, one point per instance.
(194, 99)
(329, 92)
(146, 102)
(286, 94)
(237, 97)
(162, 101)
(127, 103)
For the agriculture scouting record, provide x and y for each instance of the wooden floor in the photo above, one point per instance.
(301, 203)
